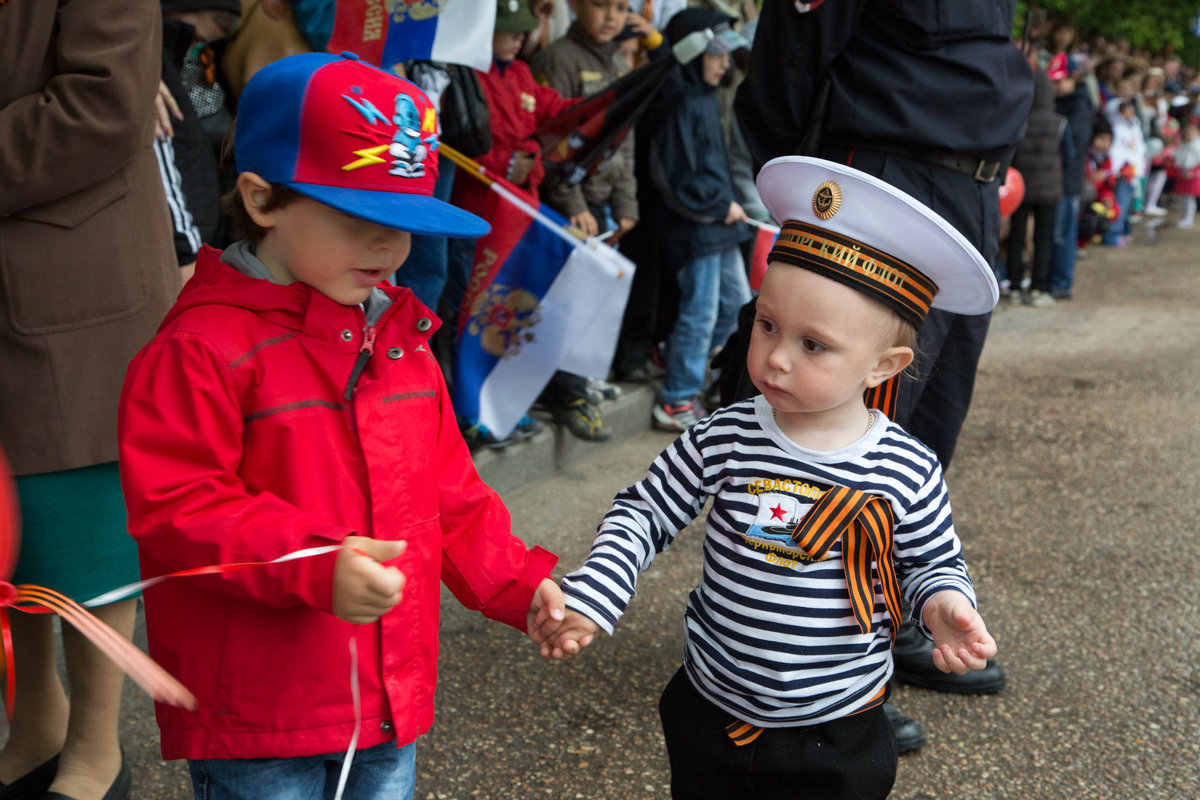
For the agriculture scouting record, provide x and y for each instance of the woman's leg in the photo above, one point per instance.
(91, 756)
(39, 716)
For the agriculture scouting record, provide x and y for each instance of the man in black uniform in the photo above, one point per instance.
(930, 96)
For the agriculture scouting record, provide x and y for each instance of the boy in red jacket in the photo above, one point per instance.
(290, 404)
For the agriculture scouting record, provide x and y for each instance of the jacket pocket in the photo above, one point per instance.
(76, 262)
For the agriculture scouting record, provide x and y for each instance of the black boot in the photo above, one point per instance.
(914, 665)
(33, 784)
(908, 732)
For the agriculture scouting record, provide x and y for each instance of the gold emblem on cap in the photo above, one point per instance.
(827, 199)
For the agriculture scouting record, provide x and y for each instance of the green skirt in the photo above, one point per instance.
(73, 535)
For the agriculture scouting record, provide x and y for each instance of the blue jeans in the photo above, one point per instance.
(711, 291)
(424, 271)
(382, 772)
(1120, 225)
(1066, 235)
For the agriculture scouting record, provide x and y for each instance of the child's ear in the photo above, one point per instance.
(256, 195)
(891, 362)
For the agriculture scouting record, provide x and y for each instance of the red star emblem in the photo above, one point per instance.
(777, 513)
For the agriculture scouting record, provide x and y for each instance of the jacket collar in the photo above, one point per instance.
(232, 278)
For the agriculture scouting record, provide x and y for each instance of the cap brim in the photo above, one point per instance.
(414, 213)
(881, 216)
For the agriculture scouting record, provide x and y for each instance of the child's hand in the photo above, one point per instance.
(586, 223)
(960, 638)
(736, 214)
(545, 612)
(624, 226)
(640, 26)
(575, 633)
(363, 588)
(522, 164)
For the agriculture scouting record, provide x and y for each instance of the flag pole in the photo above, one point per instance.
(766, 226)
(476, 170)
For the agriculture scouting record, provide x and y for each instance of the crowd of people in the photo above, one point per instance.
(1111, 144)
(248, 425)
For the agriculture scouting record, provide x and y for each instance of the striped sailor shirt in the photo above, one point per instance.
(771, 637)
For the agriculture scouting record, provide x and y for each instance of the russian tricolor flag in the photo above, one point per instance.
(390, 32)
(764, 240)
(537, 300)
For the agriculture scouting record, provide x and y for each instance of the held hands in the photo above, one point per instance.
(960, 638)
(557, 631)
(545, 612)
(574, 633)
(363, 588)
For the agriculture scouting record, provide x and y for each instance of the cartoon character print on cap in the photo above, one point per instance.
(408, 147)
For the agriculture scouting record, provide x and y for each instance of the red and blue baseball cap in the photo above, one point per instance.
(352, 136)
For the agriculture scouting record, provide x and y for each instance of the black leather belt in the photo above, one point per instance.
(978, 168)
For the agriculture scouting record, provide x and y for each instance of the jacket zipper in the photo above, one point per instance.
(364, 355)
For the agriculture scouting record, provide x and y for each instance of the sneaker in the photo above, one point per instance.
(1156, 211)
(479, 435)
(1040, 299)
(669, 417)
(528, 427)
(1184, 223)
(582, 419)
(1061, 294)
(598, 390)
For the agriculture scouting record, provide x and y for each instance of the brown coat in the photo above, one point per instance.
(87, 269)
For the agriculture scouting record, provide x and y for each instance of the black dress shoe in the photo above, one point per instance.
(33, 784)
(908, 732)
(118, 790)
(913, 657)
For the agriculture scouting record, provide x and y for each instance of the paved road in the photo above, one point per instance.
(1076, 491)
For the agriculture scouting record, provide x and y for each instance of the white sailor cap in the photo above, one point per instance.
(858, 230)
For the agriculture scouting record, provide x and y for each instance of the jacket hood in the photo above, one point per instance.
(1043, 91)
(688, 21)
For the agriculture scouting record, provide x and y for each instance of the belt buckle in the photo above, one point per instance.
(985, 171)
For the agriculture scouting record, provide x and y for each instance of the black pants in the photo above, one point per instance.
(934, 408)
(1043, 245)
(853, 758)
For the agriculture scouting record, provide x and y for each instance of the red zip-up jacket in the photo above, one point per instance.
(517, 105)
(263, 419)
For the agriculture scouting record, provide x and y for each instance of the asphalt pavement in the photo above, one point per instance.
(1076, 491)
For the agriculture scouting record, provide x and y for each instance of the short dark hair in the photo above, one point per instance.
(243, 224)
(231, 202)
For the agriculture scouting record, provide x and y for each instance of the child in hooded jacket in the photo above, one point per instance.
(289, 411)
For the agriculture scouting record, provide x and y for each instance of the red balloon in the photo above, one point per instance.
(1012, 191)
(9, 521)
